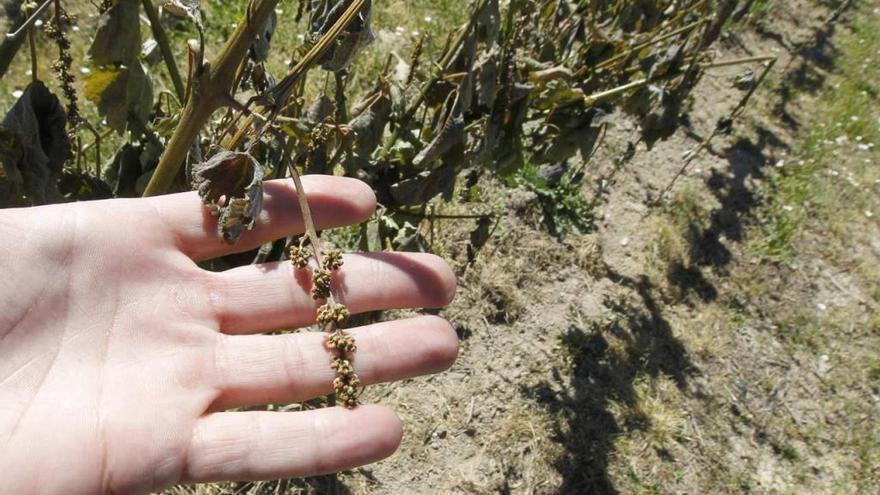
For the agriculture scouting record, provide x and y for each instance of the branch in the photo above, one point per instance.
(164, 47)
(212, 86)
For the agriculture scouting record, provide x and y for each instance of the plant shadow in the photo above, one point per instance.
(604, 362)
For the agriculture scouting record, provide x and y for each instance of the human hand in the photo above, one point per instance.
(118, 354)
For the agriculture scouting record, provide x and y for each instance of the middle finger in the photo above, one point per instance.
(260, 298)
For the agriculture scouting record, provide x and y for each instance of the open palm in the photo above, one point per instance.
(119, 355)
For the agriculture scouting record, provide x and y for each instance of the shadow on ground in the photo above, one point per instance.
(598, 374)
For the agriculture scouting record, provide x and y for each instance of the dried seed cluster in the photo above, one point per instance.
(299, 256)
(331, 316)
(56, 30)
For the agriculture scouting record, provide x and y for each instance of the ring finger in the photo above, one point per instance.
(276, 369)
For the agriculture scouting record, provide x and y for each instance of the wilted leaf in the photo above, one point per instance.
(356, 36)
(260, 48)
(489, 23)
(231, 184)
(553, 73)
(556, 93)
(424, 187)
(118, 38)
(123, 171)
(184, 8)
(120, 93)
(451, 134)
(667, 62)
(320, 109)
(35, 143)
(369, 125)
(487, 77)
(568, 131)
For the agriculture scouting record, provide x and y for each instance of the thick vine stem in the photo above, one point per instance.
(212, 86)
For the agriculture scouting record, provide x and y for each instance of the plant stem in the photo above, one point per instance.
(29, 21)
(282, 90)
(33, 46)
(164, 47)
(211, 87)
(604, 95)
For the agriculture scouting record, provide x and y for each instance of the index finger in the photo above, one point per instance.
(334, 202)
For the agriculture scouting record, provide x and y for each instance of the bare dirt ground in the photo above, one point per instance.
(675, 349)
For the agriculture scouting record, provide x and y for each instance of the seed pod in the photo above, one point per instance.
(332, 260)
(321, 284)
(299, 256)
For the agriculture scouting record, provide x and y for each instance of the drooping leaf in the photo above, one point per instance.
(320, 109)
(120, 93)
(369, 125)
(231, 184)
(35, 143)
(123, 171)
(567, 131)
(450, 135)
(118, 38)
(184, 8)
(425, 186)
(259, 51)
(355, 37)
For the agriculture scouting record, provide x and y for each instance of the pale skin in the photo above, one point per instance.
(120, 358)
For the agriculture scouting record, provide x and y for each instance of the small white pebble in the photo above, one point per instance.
(780, 163)
(85, 70)
(17, 93)
(788, 208)
(863, 147)
(869, 213)
(429, 18)
(415, 34)
(624, 242)
(39, 23)
(859, 138)
(821, 307)
(854, 118)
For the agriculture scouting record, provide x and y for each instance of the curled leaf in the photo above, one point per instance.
(449, 136)
(355, 37)
(425, 186)
(34, 143)
(320, 109)
(231, 184)
(369, 125)
(260, 48)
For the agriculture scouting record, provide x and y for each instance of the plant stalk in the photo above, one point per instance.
(210, 91)
(165, 47)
